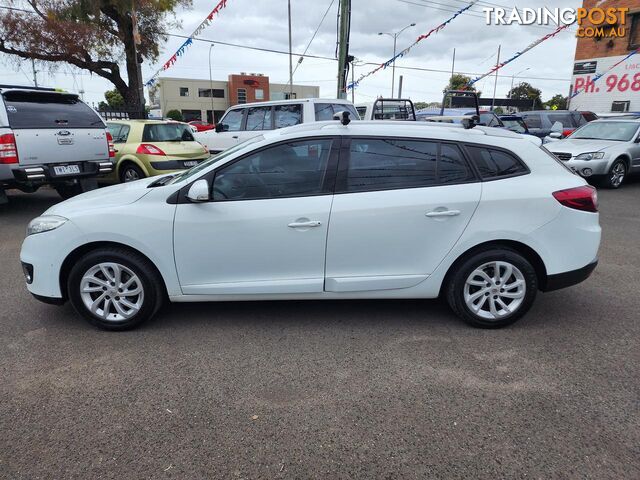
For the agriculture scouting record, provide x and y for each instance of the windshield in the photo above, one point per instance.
(618, 131)
(514, 125)
(167, 132)
(220, 156)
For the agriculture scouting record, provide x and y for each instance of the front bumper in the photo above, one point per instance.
(588, 168)
(567, 279)
(46, 173)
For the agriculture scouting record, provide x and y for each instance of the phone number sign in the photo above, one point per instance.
(622, 83)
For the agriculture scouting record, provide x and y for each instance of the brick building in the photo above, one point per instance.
(200, 99)
(619, 90)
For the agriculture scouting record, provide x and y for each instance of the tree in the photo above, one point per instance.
(94, 35)
(459, 82)
(558, 101)
(175, 115)
(114, 99)
(524, 91)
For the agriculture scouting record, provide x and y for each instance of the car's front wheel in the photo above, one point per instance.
(114, 289)
(617, 174)
(492, 288)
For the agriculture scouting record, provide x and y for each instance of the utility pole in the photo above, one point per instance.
(495, 84)
(400, 87)
(35, 76)
(343, 46)
(213, 120)
(136, 42)
(453, 63)
(290, 54)
(353, 79)
(395, 35)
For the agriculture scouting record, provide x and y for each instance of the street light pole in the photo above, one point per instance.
(395, 35)
(211, 85)
(514, 76)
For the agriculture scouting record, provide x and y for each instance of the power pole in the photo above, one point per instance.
(400, 87)
(290, 54)
(353, 80)
(495, 84)
(343, 46)
(35, 77)
(213, 120)
(453, 63)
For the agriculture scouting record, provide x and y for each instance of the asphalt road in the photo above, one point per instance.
(327, 390)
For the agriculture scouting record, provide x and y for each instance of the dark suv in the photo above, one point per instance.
(539, 122)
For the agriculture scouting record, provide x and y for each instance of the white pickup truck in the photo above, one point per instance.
(50, 137)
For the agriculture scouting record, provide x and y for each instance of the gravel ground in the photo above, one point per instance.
(351, 389)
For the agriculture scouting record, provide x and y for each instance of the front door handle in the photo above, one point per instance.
(310, 224)
(443, 213)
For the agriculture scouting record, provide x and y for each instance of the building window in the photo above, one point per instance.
(290, 95)
(184, 91)
(211, 92)
(259, 94)
(242, 95)
(634, 31)
(189, 115)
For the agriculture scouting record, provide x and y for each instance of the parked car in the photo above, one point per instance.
(540, 122)
(483, 217)
(605, 150)
(201, 126)
(248, 120)
(145, 148)
(515, 123)
(387, 109)
(455, 115)
(50, 137)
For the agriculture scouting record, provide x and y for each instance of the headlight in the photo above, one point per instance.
(45, 223)
(590, 156)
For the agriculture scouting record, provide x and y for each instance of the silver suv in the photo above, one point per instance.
(50, 137)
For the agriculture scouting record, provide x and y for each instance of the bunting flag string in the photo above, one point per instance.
(181, 50)
(520, 53)
(598, 76)
(406, 50)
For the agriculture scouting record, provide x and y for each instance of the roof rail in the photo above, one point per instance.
(24, 87)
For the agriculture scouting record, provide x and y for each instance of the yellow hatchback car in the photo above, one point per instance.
(145, 148)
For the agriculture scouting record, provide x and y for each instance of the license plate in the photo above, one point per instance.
(66, 169)
(190, 163)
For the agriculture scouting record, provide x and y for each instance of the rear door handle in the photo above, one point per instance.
(443, 213)
(310, 224)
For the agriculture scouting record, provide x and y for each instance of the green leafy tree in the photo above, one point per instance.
(557, 102)
(175, 115)
(93, 35)
(459, 82)
(114, 99)
(524, 91)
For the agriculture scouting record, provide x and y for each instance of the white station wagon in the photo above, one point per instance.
(482, 217)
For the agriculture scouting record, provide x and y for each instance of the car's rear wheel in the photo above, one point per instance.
(114, 289)
(130, 173)
(492, 288)
(617, 174)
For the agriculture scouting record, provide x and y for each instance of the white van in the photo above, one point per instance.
(248, 120)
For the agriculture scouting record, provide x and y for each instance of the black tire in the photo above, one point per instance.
(130, 172)
(611, 179)
(68, 191)
(456, 285)
(153, 291)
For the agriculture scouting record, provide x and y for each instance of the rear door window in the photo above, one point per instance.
(49, 110)
(565, 119)
(493, 163)
(287, 115)
(532, 120)
(258, 118)
(326, 111)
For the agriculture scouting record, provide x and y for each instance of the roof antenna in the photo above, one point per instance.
(343, 116)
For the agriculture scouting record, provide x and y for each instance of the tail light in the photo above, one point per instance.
(8, 149)
(580, 198)
(148, 149)
(112, 147)
(568, 131)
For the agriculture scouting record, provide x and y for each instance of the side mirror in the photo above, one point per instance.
(219, 127)
(557, 135)
(557, 127)
(199, 191)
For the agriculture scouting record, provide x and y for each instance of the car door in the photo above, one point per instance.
(399, 208)
(634, 151)
(264, 230)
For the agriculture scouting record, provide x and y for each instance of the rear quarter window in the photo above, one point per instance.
(49, 110)
(493, 164)
(533, 120)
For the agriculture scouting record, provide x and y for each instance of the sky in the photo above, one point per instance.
(263, 23)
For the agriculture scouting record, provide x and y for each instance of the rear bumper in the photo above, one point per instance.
(567, 279)
(46, 173)
(167, 165)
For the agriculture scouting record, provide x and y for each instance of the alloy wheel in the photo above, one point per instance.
(618, 173)
(112, 292)
(131, 175)
(495, 290)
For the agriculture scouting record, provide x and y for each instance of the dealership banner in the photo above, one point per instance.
(615, 88)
